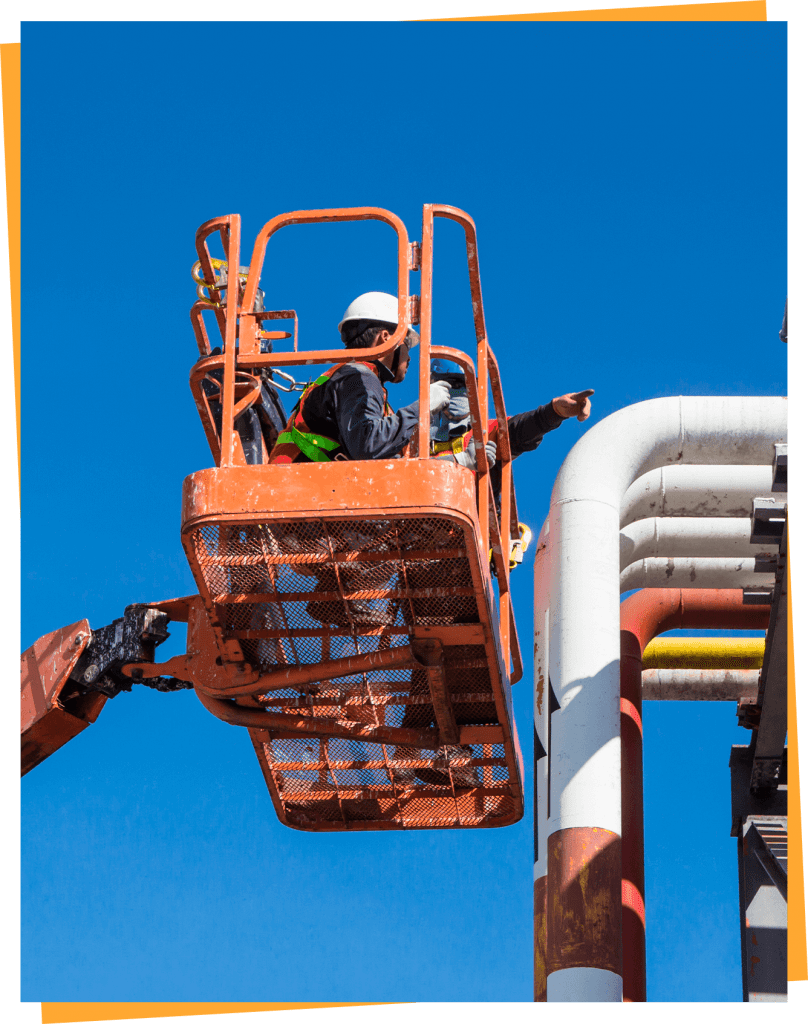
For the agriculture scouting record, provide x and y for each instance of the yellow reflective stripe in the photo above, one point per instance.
(456, 446)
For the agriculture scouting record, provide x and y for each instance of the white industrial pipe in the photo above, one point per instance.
(699, 684)
(584, 658)
(688, 538)
(701, 490)
(712, 573)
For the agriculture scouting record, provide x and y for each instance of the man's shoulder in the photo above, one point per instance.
(356, 368)
(355, 374)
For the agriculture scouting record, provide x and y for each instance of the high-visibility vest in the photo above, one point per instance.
(298, 443)
(461, 443)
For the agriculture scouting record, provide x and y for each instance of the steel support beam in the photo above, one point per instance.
(771, 733)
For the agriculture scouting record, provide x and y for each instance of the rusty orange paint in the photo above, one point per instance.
(540, 940)
(278, 519)
(644, 616)
(50, 713)
(347, 614)
(355, 617)
(584, 900)
(318, 610)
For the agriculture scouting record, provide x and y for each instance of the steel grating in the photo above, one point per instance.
(310, 590)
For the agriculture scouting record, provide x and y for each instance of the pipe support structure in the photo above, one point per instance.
(585, 805)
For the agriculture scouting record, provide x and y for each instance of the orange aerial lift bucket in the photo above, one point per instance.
(355, 617)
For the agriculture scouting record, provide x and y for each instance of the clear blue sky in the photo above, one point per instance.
(628, 184)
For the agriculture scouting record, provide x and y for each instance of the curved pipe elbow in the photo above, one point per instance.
(712, 430)
(648, 613)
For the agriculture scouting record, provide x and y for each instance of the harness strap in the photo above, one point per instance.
(311, 444)
(298, 439)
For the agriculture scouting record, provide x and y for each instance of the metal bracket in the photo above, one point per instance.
(430, 654)
(131, 638)
(780, 468)
(768, 520)
(768, 839)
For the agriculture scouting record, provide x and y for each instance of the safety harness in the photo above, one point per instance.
(298, 443)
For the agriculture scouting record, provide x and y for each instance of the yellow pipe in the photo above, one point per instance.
(704, 653)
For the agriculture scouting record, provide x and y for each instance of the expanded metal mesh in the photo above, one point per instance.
(313, 590)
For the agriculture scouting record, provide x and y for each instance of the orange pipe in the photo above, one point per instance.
(644, 616)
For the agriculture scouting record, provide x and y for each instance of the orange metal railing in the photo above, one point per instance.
(240, 389)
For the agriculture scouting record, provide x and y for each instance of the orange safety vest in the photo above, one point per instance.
(298, 443)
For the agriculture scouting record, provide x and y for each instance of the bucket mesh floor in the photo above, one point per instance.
(302, 592)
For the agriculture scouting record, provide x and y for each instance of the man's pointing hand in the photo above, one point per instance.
(576, 404)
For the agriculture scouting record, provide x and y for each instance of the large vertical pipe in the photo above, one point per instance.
(643, 616)
(583, 846)
(584, 959)
(632, 885)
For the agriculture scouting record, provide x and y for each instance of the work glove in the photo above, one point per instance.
(438, 396)
(458, 408)
(468, 458)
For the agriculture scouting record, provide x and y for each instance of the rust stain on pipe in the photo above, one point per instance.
(584, 900)
(540, 939)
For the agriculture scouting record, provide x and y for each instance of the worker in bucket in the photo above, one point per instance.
(344, 413)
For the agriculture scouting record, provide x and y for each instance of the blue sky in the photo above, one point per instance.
(628, 184)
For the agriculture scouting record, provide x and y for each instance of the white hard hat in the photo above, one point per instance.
(379, 306)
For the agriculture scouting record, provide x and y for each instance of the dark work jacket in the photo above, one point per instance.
(526, 429)
(525, 433)
(350, 408)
